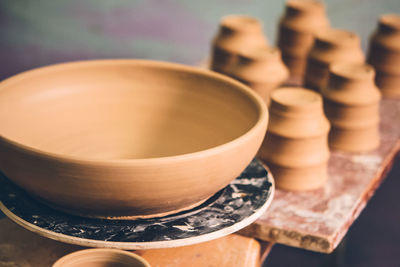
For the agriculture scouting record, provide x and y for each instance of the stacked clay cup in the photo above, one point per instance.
(296, 145)
(236, 33)
(384, 55)
(302, 20)
(351, 103)
(261, 69)
(332, 45)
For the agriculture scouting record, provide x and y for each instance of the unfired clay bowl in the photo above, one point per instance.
(101, 258)
(126, 138)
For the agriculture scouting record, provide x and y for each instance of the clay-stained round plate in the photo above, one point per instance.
(234, 207)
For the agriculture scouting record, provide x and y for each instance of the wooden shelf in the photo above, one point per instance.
(318, 220)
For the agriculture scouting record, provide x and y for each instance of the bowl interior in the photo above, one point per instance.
(123, 110)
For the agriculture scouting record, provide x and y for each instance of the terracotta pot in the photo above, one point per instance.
(237, 33)
(101, 257)
(384, 55)
(332, 45)
(296, 145)
(297, 30)
(116, 138)
(352, 107)
(262, 69)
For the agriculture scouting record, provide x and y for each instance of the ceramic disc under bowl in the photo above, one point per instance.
(234, 207)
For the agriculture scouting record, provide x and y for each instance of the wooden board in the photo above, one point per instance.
(318, 220)
(232, 250)
(20, 247)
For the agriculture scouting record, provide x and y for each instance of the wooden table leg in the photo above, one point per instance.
(337, 257)
(264, 250)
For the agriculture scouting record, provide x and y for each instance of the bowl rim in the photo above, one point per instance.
(90, 251)
(257, 100)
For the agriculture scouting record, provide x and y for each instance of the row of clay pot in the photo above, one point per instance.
(332, 62)
(309, 46)
(241, 51)
(296, 144)
(384, 55)
(302, 20)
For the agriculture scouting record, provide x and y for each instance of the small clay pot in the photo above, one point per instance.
(297, 30)
(384, 55)
(351, 103)
(296, 145)
(237, 33)
(101, 257)
(262, 69)
(332, 45)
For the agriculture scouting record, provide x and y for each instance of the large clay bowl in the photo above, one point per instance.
(116, 138)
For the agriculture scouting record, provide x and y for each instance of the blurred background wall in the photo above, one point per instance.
(39, 32)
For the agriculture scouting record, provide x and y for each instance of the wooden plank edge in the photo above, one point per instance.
(320, 243)
(290, 237)
(265, 249)
(379, 177)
